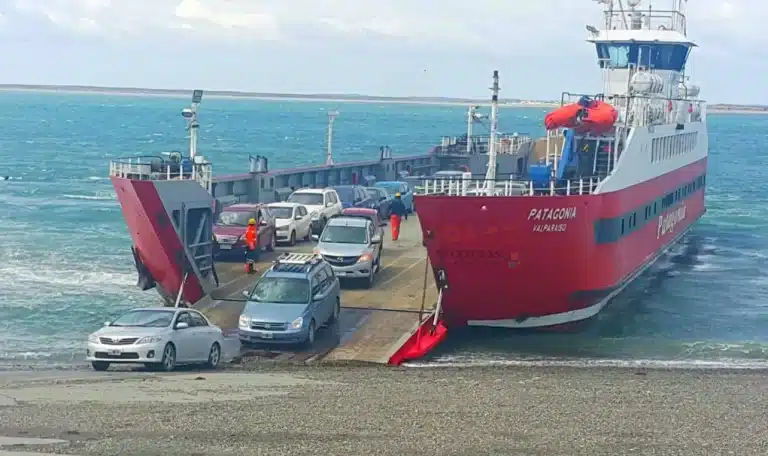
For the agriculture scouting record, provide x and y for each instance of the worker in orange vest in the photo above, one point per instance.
(251, 238)
(398, 212)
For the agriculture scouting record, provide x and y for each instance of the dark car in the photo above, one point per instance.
(354, 196)
(229, 229)
(383, 200)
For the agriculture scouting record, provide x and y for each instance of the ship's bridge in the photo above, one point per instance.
(641, 39)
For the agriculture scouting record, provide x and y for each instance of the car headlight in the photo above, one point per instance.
(149, 340)
(244, 321)
(315, 215)
(93, 338)
(282, 228)
(296, 324)
(365, 258)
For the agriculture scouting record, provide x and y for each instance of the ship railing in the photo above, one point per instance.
(151, 167)
(480, 144)
(649, 110)
(508, 187)
(645, 19)
(639, 110)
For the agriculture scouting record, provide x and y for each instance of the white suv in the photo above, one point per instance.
(322, 204)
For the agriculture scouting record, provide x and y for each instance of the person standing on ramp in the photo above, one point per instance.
(398, 212)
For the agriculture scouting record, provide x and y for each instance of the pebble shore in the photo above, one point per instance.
(263, 409)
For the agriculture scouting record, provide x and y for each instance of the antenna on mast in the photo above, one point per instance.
(190, 114)
(332, 115)
(490, 176)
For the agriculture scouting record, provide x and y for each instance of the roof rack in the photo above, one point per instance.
(298, 258)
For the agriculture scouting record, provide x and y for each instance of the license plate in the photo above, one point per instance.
(115, 352)
(225, 246)
(266, 335)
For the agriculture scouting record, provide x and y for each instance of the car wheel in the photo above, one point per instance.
(311, 334)
(100, 366)
(214, 356)
(292, 241)
(168, 362)
(369, 279)
(336, 311)
(272, 243)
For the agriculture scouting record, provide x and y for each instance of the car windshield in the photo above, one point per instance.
(234, 218)
(145, 318)
(280, 290)
(282, 212)
(376, 193)
(393, 187)
(345, 235)
(345, 193)
(312, 199)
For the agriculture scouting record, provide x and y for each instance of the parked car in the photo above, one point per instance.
(294, 297)
(394, 187)
(383, 200)
(292, 221)
(370, 214)
(352, 246)
(159, 337)
(354, 196)
(322, 204)
(230, 225)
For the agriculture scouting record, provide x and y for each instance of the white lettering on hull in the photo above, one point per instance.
(668, 222)
(553, 214)
(560, 213)
(550, 228)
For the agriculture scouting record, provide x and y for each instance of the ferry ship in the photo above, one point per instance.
(618, 179)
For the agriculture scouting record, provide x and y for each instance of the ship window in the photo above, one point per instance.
(669, 56)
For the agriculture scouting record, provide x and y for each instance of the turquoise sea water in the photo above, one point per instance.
(65, 263)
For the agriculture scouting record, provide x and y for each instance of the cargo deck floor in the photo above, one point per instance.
(373, 323)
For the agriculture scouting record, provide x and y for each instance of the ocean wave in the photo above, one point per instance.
(98, 197)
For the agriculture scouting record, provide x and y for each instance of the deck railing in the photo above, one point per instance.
(507, 187)
(157, 168)
(480, 144)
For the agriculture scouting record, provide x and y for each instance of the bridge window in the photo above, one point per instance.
(656, 56)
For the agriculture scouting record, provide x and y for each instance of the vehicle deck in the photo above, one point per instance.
(374, 323)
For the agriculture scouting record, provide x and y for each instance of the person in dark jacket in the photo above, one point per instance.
(398, 212)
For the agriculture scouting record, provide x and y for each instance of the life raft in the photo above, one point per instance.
(584, 116)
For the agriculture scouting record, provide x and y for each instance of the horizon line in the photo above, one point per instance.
(299, 96)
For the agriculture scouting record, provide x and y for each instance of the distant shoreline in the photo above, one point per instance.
(719, 108)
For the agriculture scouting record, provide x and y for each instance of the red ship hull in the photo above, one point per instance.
(158, 250)
(543, 261)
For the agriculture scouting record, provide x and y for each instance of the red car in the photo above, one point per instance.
(229, 228)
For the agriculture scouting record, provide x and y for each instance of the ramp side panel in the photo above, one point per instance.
(153, 235)
(425, 338)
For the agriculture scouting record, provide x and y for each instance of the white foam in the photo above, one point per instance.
(597, 363)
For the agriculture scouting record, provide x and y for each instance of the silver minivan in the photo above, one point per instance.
(352, 246)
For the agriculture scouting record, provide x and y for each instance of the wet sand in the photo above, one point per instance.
(276, 409)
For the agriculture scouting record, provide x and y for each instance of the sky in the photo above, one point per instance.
(392, 48)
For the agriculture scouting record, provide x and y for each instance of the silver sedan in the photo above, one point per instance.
(158, 338)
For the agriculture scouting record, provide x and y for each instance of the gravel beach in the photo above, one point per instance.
(290, 410)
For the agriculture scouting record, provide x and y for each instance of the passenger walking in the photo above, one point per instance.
(398, 211)
(251, 244)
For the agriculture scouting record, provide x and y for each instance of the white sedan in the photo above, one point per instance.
(158, 337)
(292, 221)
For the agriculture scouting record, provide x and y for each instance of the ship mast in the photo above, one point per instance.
(332, 115)
(490, 177)
(190, 114)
